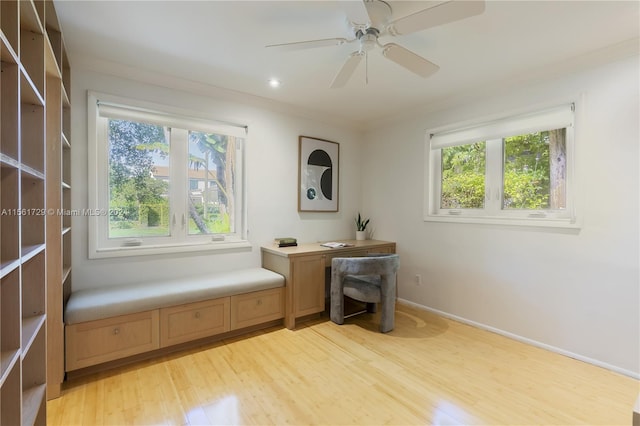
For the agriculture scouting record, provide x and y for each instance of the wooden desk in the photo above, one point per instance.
(304, 268)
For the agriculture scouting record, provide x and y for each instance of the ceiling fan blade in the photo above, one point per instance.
(296, 45)
(347, 70)
(442, 13)
(409, 60)
(378, 11)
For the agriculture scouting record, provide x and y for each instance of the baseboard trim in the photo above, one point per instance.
(522, 339)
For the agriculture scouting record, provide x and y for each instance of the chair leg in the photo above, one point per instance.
(388, 306)
(336, 310)
(387, 319)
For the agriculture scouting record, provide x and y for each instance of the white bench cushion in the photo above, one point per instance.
(106, 302)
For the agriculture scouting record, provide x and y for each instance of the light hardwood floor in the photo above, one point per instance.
(429, 370)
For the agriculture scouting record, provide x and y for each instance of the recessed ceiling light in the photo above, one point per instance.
(274, 82)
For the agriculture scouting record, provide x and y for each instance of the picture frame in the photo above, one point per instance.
(318, 175)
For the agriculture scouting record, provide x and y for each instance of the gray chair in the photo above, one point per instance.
(370, 279)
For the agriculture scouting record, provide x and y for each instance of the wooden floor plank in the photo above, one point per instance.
(429, 370)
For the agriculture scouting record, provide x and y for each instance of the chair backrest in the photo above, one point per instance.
(374, 264)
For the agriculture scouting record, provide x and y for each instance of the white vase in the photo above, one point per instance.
(361, 235)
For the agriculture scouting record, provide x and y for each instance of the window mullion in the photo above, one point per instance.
(493, 182)
(178, 185)
(102, 182)
(436, 173)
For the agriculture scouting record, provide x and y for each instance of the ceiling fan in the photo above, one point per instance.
(380, 24)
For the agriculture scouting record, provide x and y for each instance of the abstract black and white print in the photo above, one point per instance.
(318, 178)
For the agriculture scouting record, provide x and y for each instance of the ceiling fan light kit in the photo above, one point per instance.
(380, 24)
(368, 39)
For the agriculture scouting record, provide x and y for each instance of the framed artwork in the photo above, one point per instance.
(317, 175)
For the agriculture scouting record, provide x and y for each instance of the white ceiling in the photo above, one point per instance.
(221, 43)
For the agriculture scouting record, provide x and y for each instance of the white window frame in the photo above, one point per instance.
(492, 130)
(100, 245)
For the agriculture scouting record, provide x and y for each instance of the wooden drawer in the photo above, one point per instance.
(94, 342)
(256, 307)
(193, 321)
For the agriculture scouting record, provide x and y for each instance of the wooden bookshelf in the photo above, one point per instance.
(58, 193)
(10, 285)
(34, 189)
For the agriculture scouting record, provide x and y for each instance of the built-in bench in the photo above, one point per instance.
(111, 323)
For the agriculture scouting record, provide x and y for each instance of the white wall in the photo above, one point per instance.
(575, 292)
(271, 165)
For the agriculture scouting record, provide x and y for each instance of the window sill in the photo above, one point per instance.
(148, 250)
(565, 223)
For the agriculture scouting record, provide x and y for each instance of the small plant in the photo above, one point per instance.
(361, 225)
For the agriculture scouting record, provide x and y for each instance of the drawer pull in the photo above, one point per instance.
(197, 315)
(116, 330)
(259, 302)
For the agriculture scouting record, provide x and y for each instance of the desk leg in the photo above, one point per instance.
(284, 267)
(289, 316)
(290, 322)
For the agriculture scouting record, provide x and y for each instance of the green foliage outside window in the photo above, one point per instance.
(139, 195)
(526, 171)
(137, 200)
(214, 154)
(534, 173)
(463, 171)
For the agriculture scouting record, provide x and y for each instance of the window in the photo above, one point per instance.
(163, 182)
(515, 170)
